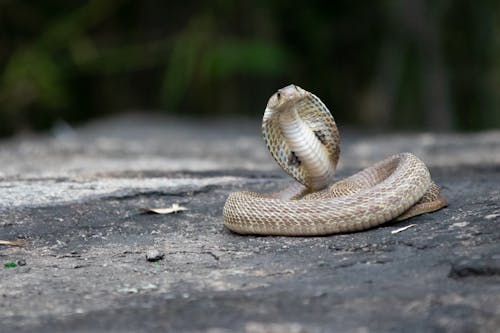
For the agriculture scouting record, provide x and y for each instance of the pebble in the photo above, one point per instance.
(154, 255)
(128, 290)
(21, 262)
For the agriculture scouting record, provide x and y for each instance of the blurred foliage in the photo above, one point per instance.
(410, 64)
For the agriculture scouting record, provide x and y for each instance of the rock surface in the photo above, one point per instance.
(77, 197)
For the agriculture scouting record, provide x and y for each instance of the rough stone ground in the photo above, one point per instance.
(77, 195)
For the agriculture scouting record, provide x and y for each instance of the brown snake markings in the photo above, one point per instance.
(303, 138)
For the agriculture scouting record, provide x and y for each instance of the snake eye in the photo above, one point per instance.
(278, 95)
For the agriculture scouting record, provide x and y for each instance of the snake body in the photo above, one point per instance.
(303, 138)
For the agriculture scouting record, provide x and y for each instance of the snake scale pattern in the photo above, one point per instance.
(302, 136)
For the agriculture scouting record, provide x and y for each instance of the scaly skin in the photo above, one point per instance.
(302, 136)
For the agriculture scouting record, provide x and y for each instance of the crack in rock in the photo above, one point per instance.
(475, 268)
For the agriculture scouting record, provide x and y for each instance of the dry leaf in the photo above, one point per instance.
(402, 229)
(173, 209)
(13, 243)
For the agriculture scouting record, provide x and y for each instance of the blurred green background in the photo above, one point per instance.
(405, 65)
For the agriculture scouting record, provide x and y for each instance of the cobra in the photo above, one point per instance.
(302, 136)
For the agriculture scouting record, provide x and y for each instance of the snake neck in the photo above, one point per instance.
(308, 150)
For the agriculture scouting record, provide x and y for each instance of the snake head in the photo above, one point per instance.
(284, 99)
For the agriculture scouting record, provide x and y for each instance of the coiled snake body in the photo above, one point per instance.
(302, 136)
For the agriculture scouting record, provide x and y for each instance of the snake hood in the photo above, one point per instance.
(302, 136)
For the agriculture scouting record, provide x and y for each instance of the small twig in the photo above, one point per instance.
(402, 229)
(13, 243)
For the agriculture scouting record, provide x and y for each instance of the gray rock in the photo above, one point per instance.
(78, 200)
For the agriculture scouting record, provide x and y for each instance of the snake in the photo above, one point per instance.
(303, 138)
